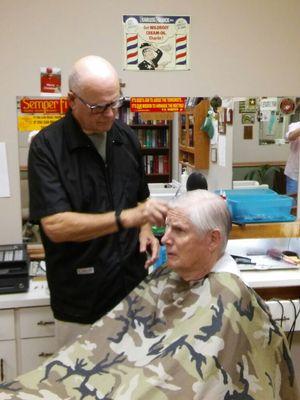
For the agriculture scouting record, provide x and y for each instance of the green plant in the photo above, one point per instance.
(263, 174)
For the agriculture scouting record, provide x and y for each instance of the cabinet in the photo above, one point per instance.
(8, 359)
(193, 142)
(154, 131)
(27, 339)
(37, 341)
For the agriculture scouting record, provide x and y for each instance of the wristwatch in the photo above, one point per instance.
(118, 220)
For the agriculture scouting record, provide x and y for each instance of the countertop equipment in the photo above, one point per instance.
(14, 268)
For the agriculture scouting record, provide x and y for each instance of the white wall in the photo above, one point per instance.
(249, 150)
(237, 49)
(219, 175)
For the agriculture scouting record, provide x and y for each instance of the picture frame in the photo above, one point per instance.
(229, 116)
(214, 154)
(248, 119)
(222, 121)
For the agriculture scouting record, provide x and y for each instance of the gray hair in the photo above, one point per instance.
(206, 211)
(74, 81)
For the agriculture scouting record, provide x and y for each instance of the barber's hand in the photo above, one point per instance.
(149, 244)
(151, 211)
(155, 212)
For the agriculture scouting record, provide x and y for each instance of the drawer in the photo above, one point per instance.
(34, 352)
(7, 325)
(36, 322)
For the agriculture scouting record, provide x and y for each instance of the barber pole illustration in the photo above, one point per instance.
(181, 49)
(132, 49)
(167, 38)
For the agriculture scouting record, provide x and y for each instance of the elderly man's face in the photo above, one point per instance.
(99, 93)
(188, 251)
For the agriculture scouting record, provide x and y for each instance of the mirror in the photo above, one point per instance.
(259, 148)
(274, 115)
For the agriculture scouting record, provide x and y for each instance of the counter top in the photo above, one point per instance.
(272, 279)
(37, 295)
(267, 230)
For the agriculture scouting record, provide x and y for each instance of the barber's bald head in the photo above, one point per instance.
(90, 69)
(93, 81)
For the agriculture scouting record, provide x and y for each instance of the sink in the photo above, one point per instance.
(164, 191)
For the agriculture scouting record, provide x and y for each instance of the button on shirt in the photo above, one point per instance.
(66, 173)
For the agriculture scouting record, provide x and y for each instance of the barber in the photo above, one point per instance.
(89, 195)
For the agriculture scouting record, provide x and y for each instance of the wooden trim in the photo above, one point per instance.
(187, 164)
(187, 148)
(282, 293)
(148, 116)
(149, 126)
(36, 251)
(259, 163)
(269, 230)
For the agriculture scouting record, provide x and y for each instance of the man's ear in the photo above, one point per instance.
(214, 239)
(71, 98)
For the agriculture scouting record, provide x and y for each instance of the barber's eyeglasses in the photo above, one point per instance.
(100, 108)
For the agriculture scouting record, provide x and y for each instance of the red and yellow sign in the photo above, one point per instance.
(44, 105)
(27, 123)
(35, 113)
(157, 104)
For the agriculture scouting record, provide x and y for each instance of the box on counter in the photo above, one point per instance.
(258, 205)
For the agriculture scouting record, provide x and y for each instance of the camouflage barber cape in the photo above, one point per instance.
(211, 339)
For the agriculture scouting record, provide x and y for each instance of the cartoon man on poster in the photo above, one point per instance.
(151, 56)
(156, 42)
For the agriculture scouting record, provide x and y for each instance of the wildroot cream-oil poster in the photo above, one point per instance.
(156, 43)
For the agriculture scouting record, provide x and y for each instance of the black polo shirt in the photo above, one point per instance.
(66, 173)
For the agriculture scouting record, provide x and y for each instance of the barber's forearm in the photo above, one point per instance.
(78, 227)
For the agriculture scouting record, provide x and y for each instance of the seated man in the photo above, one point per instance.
(193, 330)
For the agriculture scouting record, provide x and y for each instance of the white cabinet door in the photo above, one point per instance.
(7, 325)
(36, 322)
(35, 351)
(8, 361)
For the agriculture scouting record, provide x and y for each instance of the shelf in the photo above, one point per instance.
(187, 149)
(267, 230)
(158, 178)
(154, 132)
(196, 154)
(155, 150)
(149, 126)
(187, 164)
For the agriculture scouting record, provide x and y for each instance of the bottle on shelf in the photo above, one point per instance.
(183, 179)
